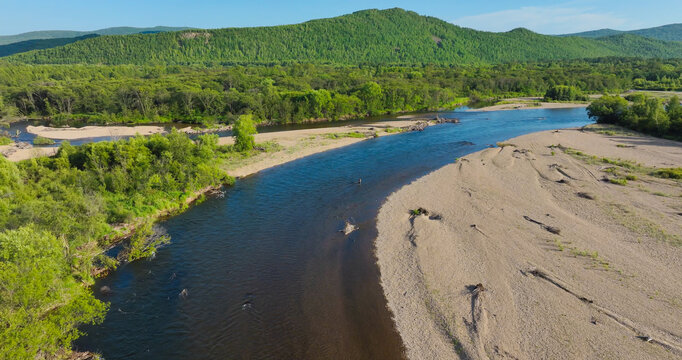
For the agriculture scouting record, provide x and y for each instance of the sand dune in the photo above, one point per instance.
(527, 253)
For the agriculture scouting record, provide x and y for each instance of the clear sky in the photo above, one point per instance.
(546, 17)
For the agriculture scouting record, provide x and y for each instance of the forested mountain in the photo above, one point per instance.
(672, 32)
(393, 36)
(60, 34)
(28, 45)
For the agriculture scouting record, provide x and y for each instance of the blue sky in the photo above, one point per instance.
(494, 15)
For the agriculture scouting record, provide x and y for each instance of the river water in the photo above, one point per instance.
(267, 273)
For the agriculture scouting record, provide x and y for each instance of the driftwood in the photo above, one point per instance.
(552, 229)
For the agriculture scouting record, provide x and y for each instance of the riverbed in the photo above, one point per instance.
(265, 273)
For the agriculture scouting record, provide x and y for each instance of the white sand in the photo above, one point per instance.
(616, 252)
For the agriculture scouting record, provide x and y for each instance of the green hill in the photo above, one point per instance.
(28, 45)
(62, 34)
(672, 32)
(370, 36)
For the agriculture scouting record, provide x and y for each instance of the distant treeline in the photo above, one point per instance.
(295, 93)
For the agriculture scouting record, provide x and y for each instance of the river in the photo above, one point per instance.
(267, 273)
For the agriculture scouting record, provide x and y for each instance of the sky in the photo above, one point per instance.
(547, 17)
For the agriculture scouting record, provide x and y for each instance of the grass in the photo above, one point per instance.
(610, 130)
(668, 173)
(639, 224)
(393, 130)
(5, 140)
(346, 135)
(618, 181)
(622, 165)
(39, 140)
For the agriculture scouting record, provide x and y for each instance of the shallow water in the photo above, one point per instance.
(267, 273)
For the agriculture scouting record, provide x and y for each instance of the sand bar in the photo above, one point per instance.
(529, 103)
(85, 132)
(300, 143)
(482, 276)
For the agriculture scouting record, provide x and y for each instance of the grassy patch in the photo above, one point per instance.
(346, 135)
(618, 181)
(393, 130)
(39, 140)
(4, 140)
(668, 173)
(610, 130)
(640, 224)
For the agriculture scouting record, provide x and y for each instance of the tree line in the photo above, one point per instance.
(100, 94)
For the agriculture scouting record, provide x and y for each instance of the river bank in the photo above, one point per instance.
(535, 250)
(529, 103)
(70, 133)
(296, 144)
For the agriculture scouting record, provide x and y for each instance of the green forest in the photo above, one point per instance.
(103, 94)
(392, 36)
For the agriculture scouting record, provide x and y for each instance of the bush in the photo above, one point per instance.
(243, 130)
(564, 93)
(39, 140)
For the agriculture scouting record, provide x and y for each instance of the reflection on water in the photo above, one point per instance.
(267, 273)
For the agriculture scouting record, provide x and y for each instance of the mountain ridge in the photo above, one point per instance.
(391, 36)
(63, 34)
(669, 32)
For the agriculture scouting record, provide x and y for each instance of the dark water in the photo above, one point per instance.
(267, 273)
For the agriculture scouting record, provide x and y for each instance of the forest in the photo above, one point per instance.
(103, 94)
(392, 36)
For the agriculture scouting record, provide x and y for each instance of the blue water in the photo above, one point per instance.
(268, 275)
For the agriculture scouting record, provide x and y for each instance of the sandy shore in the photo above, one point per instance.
(529, 103)
(527, 253)
(14, 152)
(301, 143)
(92, 131)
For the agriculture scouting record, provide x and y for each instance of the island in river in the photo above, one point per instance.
(557, 244)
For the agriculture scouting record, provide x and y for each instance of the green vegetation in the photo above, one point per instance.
(564, 93)
(59, 213)
(4, 140)
(78, 94)
(392, 36)
(244, 130)
(357, 135)
(41, 302)
(669, 173)
(39, 140)
(645, 114)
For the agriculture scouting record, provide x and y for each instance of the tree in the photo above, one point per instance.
(243, 130)
(41, 304)
(608, 109)
(371, 96)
